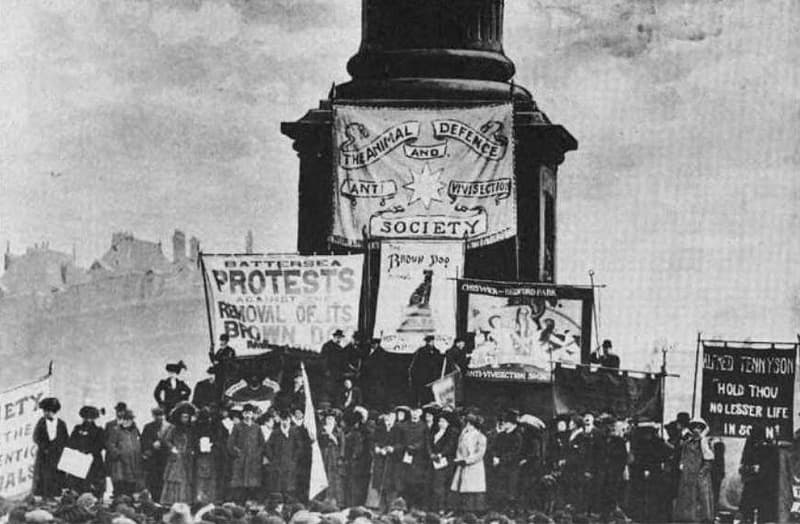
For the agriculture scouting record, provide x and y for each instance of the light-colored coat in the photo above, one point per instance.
(470, 478)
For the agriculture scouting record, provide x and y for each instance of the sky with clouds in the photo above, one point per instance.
(684, 195)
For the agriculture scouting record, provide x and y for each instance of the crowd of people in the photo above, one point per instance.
(447, 463)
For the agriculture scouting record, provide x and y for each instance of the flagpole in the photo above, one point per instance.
(208, 308)
(696, 368)
(318, 481)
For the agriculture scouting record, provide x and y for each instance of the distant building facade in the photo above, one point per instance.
(110, 328)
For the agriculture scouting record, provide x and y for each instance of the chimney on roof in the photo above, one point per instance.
(194, 249)
(248, 242)
(117, 238)
(178, 246)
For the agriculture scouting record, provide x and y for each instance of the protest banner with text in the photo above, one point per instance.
(19, 412)
(743, 386)
(264, 301)
(520, 328)
(417, 293)
(424, 173)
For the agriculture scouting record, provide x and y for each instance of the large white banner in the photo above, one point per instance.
(417, 293)
(424, 173)
(19, 412)
(262, 301)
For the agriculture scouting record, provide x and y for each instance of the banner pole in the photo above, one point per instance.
(696, 368)
(663, 386)
(553, 388)
(208, 306)
(594, 310)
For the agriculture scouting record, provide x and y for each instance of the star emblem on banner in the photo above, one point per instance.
(425, 185)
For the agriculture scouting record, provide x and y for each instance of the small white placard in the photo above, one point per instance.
(408, 458)
(205, 445)
(75, 463)
(440, 464)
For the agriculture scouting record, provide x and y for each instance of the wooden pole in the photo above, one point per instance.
(208, 305)
(594, 311)
(696, 370)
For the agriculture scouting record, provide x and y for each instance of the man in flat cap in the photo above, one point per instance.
(50, 436)
(172, 389)
(426, 367)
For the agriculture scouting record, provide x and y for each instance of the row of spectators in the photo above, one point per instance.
(441, 461)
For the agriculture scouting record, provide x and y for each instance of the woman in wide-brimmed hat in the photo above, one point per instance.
(358, 457)
(88, 438)
(172, 390)
(50, 436)
(125, 457)
(179, 445)
(695, 500)
(210, 440)
(443, 443)
(468, 489)
(331, 443)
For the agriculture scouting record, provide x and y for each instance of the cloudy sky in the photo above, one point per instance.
(683, 196)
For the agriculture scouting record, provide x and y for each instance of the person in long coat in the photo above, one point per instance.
(247, 447)
(383, 483)
(443, 443)
(331, 444)
(759, 471)
(154, 453)
(557, 452)
(649, 478)
(468, 489)
(125, 457)
(532, 493)
(210, 440)
(611, 462)
(581, 468)
(172, 390)
(303, 457)
(358, 458)
(374, 378)
(282, 451)
(694, 502)
(425, 367)
(179, 444)
(90, 439)
(414, 459)
(506, 455)
(50, 436)
(207, 391)
(267, 423)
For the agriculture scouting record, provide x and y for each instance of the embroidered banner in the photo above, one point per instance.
(263, 301)
(417, 293)
(453, 177)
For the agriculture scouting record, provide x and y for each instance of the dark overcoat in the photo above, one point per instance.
(47, 479)
(247, 447)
